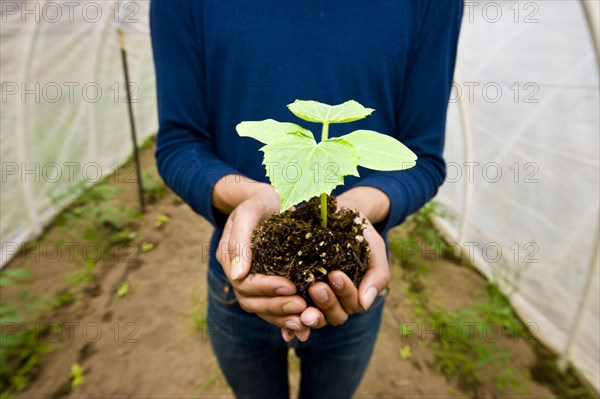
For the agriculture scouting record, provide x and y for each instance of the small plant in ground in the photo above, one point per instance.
(307, 243)
(405, 352)
(153, 185)
(21, 346)
(84, 275)
(160, 220)
(197, 315)
(60, 300)
(77, 375)
(123, 290)
(147, 247)
(405, 331)
(465, 354)
(100, 207)
(563, 384)
(425, 231)
(124, 236)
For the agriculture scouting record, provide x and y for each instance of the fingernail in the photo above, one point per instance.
(291, 307)
(313, 322)
(287, 335)
(337, 282)
(290, 325)
(320, 295)
(236, 268)
(302, 335)
(284, 290)
(369, 297)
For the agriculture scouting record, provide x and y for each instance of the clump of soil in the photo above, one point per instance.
(294, 245)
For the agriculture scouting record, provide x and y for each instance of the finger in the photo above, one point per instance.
(291, 323)
(328, 303)
(313, 318)
(295, 327)
(273, 306)
(263, 285)
(377, 276)
(345, 291)
(287, 334)
(303, 334)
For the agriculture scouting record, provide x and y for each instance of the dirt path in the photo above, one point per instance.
(152, 342)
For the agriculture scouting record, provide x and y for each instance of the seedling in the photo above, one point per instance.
(123, 290)
(294, 159)
(405, 352)
(77, 375)
(147, 247)
(160, 220)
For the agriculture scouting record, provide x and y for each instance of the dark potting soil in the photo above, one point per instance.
(294, 245)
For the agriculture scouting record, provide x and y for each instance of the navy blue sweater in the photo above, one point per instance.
(220, 63)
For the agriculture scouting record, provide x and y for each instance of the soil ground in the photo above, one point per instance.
(153, 343)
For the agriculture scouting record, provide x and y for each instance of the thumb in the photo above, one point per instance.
(240, 242)
(243, 221)
(239, 268)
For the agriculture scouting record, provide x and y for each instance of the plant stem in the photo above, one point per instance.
(323, 210)
(325, 132)
(324, 136)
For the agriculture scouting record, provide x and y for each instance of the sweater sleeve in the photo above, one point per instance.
(185, 152)
(422, 114)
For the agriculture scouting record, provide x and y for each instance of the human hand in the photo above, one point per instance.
(338, 301)
(269, 297)
(335, 305)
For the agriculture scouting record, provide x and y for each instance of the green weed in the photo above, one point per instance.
(197, 315)
(21, 345)
(153, 185)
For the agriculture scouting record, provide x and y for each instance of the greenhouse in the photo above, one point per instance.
(104, 267)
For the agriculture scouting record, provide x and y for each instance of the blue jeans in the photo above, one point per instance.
(253, 355)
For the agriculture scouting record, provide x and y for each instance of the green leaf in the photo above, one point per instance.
(10, 318)
(405, 352)
(269, 130)
(380, 152)
(77, 375)
(314, 111)
(147, 247)
(18, 273)
(123, 290)
(300, 169)
(405, 331)
(160, 220)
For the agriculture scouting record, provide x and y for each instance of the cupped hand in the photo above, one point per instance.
(338, 300)
(269, 297)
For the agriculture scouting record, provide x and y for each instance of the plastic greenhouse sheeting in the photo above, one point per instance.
(523, 166)
(64, 119)
(522, 142)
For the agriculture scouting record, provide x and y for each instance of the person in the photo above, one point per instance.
(220, 63)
